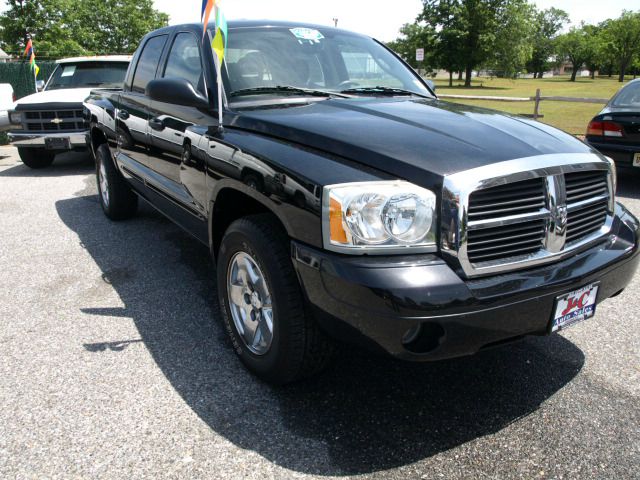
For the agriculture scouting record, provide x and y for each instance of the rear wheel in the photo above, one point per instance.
(262, 305)
(36, 158)
(116, 197)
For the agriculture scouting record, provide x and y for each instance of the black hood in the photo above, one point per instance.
(410, 137)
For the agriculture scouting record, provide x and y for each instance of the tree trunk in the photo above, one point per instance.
(460, 75)
(574, 73)
(593, 74)
(450, 78)
(469, 73)
(623, 70)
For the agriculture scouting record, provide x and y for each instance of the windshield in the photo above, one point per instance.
(326, 60)
(628, 96)
(88, 74)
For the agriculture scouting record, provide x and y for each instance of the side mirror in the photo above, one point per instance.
(431, 84)
(177, 91)
(40, 85)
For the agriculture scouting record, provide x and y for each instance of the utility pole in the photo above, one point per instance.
(335, 22)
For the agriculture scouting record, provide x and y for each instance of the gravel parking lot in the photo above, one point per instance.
(113, 365)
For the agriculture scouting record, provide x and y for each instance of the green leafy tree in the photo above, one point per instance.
(595, 52)
(467, 29)
(414, 36)
(575, 47)
(548, 23)
(621, 39)
(514, 38)
(77, 27)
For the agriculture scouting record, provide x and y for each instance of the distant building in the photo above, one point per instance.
(566, 68)
(4, 56)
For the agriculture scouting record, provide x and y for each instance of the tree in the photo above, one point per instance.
(513, 43)
(414, 36)
(78, 27)
(574, 46)
(595, 52)
(621, 38)
(547, 25)
(466, 29)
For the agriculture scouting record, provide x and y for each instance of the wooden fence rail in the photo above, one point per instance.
(537, 99)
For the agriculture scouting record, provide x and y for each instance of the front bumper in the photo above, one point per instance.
(621, 154)
(77, 140)
(382, 302)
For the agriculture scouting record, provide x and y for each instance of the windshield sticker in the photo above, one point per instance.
(308, 34)
(69, 71)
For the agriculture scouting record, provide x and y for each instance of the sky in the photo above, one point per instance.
(380, 19)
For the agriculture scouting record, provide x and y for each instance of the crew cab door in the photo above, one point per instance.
(173, 129)
(132, 115)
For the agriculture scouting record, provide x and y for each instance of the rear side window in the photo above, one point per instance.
(185, 62)
(148, 63)
(629, 96)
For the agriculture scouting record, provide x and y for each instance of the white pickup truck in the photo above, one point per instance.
(51, 121)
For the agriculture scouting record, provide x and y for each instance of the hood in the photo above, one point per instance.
(69, 96)
(410, 138)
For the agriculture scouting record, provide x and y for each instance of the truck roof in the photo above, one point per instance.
(103, 58)
(233, 24)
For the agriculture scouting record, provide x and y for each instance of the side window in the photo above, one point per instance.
(148, 63)
(184, 61)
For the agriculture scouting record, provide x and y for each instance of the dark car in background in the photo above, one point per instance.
(615, 131)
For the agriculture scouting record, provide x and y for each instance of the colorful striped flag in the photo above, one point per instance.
(218, 44)
(29, 52)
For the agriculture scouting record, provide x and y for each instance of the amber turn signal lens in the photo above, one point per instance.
(338, 234)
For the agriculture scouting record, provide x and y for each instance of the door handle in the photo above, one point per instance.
(123, 115)
(156, 124)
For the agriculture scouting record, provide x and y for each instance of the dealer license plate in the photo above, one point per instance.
(636, 160)
(57, 143)
(574, 307)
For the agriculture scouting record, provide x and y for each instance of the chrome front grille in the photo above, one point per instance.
(505, 241)
(538, 211)
(52, 121)
(588, 203)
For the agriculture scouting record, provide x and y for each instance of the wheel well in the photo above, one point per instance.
(97, 138)
(231, 205)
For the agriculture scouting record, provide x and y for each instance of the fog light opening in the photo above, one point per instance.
(423, 338)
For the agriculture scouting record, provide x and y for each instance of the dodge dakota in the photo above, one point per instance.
(342, 200)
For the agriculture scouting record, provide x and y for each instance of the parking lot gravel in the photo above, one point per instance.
(113, 364)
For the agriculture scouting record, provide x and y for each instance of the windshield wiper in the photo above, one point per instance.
(383, 91)
(285, 90)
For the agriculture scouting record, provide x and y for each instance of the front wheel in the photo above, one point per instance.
(116, 197)
(36, 158)
(262, 305)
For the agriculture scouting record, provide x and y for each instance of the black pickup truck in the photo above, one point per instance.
(342, 200)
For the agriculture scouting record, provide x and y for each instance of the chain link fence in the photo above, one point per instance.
(20, 76)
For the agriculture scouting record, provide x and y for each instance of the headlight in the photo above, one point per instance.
(379, 217)
(15, 118)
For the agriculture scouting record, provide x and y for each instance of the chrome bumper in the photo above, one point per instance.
(38, 140)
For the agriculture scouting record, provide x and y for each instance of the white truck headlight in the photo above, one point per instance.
(378, 218)
(15, 118)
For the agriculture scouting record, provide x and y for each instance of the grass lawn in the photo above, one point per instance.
(570, 117)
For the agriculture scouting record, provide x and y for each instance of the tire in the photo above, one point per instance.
(297, 348)
(116, 197)
(36, 158)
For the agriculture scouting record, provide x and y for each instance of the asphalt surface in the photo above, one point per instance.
(113, 365)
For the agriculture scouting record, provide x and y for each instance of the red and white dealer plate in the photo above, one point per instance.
(574, 307)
